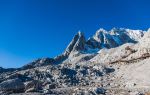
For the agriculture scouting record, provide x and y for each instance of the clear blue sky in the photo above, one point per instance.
(31, 29)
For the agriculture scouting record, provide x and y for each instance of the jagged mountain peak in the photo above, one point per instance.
(103, 39)
(99, 34)
(101, 30)
(77, 43)
(80, 33)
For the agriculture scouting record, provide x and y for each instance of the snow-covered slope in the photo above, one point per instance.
(114, 37)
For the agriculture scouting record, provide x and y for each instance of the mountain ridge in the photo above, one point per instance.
(95, 43)
(107, 64)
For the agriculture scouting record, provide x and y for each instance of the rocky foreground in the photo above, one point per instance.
(115, 62)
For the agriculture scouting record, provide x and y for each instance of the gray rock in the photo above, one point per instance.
(60, 58)
(100, 90)
(33, 86)
(50, 86)
(13, 85)
(39, 62)
(77, 44)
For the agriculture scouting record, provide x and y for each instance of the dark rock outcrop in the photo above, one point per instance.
(77, 44)
(13, 85)
(33, 86)
(2, 70)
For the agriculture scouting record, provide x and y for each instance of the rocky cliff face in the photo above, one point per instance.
(114, 62)
(77, 44)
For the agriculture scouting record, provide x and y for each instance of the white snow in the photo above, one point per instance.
(135, 34)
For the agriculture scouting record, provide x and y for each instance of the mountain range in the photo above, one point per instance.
(114, 62)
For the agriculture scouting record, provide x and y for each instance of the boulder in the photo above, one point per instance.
(50, 86)
(33, 86)
(12, 85)
(100, 90)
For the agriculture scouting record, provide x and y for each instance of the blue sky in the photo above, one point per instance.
(31, 29)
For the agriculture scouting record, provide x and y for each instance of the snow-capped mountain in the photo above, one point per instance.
(114, 37)
(103, 39)
(114, 62)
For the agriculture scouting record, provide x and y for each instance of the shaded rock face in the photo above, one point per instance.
(68, 72)
(13, 85)
(33, 86)
(92, 43)
(60, 58)
(77, 44)
(2, 70)
(23, 78)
